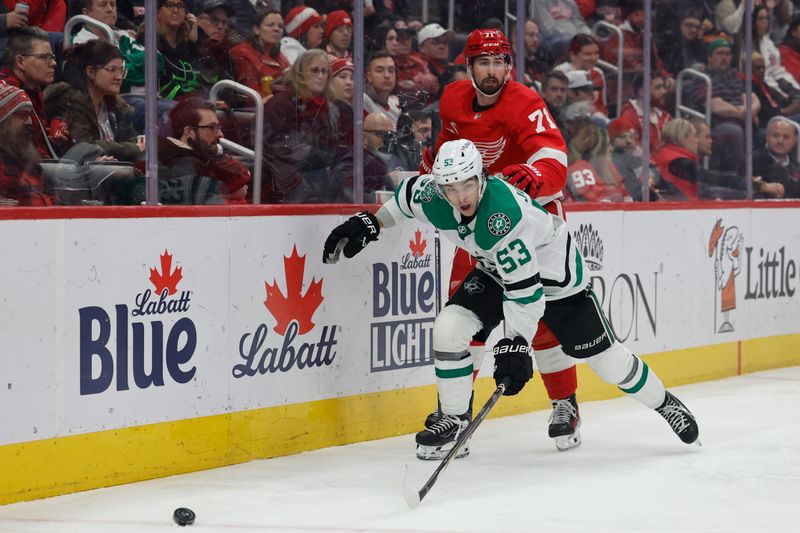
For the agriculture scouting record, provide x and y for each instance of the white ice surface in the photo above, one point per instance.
(630, 474)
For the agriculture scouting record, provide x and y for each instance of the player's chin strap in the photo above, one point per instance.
(477, 89)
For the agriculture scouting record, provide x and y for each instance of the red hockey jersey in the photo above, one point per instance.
(517, 129)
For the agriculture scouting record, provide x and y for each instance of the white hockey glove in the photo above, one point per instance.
(351, 237)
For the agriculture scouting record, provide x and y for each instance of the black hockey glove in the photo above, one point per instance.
(351, 237)
(512, 362)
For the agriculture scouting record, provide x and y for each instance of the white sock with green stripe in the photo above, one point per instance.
(618, 366)
(454, 379)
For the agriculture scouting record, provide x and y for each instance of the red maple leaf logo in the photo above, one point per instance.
(293, 306)
(418, 244)
(167, 278)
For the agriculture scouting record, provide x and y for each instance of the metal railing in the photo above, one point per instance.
(88, 21)
(258, 136)
(682, 109)
(605, 65)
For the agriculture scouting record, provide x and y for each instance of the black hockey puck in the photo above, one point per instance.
(183, 516)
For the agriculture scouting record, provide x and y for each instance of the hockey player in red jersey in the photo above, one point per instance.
(510, 125)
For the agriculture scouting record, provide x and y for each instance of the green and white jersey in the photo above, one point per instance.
(528, 250)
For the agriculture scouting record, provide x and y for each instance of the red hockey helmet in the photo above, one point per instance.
(486, 43)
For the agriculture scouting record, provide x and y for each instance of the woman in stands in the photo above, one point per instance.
(342, 86)
(301, 129)
(259, 61)
(584, 53)
(177, 44)
(677, 159)
(89, 103)
(591, 176)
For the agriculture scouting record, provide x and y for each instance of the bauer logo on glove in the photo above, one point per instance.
(512, 362)
(351, 237)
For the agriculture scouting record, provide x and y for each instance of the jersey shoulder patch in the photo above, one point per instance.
(498, 213)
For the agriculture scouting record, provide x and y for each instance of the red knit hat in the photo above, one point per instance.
(336, 19)
(12, 99)
(300, 19)
(339, 65)
(619, 126)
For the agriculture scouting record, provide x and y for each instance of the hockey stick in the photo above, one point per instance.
(413, 498)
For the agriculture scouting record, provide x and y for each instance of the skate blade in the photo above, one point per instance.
(437, 453)
(567, 442)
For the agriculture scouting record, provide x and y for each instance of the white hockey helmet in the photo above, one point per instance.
(458, 161)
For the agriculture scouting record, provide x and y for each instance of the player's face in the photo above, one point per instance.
(490, 73)
(464, 195)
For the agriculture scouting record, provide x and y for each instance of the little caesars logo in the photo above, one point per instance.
(725, 246)
(404, 295)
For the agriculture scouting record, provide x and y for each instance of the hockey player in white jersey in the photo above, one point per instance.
(527, 268)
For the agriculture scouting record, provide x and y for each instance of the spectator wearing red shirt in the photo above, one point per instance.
(49, 15)
(260, 57)
(633, 111)
(434, 47)
(591, 176)
(677, 158)
(21, 177)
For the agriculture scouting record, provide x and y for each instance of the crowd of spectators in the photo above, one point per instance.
(83, 105)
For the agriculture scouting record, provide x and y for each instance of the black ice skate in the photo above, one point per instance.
(680, 419)
(435, 416)
(564, 423)
(434, 442)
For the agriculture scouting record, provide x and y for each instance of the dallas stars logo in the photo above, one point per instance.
(499, 224)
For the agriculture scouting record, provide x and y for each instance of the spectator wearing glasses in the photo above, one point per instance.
(338, 35)
(88, 100)
(192, 167)
(301, 134)
(413, 73)
(304, 31)
(177, 44)
(379, 130)
(214, 45)
(31, 66)
(21, 177)
(260, 57)
(683, 47)
(104, 11)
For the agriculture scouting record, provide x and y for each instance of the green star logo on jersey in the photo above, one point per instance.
(499, 224)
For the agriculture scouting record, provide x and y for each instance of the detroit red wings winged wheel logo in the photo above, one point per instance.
(167, 278)
(293, 305)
